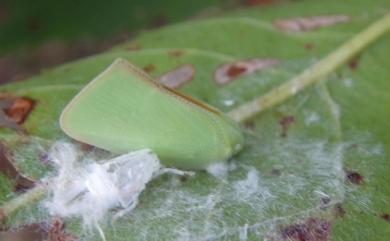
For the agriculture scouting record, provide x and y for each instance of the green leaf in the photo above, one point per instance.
(279, 185)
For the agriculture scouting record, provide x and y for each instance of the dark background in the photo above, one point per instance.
(37, 34)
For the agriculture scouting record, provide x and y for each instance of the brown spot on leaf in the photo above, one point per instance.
(19, 109)
(339, 211)
(285, 123)
(8, 168)
(228, 72)
(354, 177)
(14, 111)
(32, 232)
(175, 53)
(353, 63)
(235, 70)
(386, 217)
(149, 68)
(312, 230)
(309, 46)
(57, 232)
(178, 77)
(302, 24)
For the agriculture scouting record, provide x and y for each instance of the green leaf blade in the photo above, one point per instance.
(293, 172)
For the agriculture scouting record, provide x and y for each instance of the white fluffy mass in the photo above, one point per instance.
(89, 189)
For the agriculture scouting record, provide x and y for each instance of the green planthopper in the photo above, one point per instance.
(123, 110)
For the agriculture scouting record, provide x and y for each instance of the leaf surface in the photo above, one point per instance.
(287, 174)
